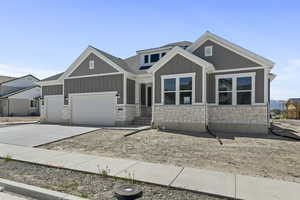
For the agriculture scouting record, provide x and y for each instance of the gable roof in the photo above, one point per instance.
(183, 44)
(5, 78)
(117, 63)
(13, 79)
(18, 91)
(231, 46)
(294, 101)
(178, 50)
(53, 77)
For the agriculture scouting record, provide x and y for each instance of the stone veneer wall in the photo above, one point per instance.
(125, 114)
(242, 119)
(180, 117)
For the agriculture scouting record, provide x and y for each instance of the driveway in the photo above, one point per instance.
(31, 135)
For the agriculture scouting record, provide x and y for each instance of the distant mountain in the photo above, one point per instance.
(277, 104)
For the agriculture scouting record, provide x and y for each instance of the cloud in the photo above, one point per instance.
(17, 71)
(285, 84)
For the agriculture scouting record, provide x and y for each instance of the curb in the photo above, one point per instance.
(35, 192)
(19, 123)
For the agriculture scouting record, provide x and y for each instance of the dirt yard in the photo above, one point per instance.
(92, 186)
(269, 156)
(19, 119)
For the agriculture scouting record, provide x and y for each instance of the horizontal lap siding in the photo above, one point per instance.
(52, 90)
(95, 84)
(179, 65)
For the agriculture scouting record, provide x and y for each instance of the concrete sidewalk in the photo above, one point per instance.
(199, 180)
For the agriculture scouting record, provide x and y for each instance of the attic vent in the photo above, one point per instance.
(208, 51)
(91, 64)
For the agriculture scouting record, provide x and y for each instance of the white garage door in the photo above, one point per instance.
(54, 108)
(93, 109)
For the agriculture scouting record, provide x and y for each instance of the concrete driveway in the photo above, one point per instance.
(31, 135)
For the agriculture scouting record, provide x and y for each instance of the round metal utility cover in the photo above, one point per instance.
(128, 192)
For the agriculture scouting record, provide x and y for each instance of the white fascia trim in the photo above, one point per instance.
(177, 90)
(153, 50)
(95, 75)
(272, 76)
(238, 69)
(229, 45)
(93, 93)
(234, 92)
(178, 50)
(47, 83)
(83, 56)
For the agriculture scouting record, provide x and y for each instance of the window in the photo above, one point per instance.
(244, 87)
(186, 86)
(178, 89)
(235, 89)
(208, 51)
(225, 91)
(154, 57)
(33, 103)
(162, 54)
(146, 59)
(170, 91)
(91, 64)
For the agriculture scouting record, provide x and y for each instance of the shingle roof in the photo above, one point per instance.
(294, 100)
(18, 91)
(119, 61)
(6, 78)
(53, 78)
(180, 44)
(134, 63)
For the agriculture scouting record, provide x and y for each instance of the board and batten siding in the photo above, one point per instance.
(179, 65)
(223, 58)
(100, 67)
(259, 85)
(130, 91)
(52, 90)
(96, 84)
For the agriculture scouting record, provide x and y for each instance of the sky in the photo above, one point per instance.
(44, 37)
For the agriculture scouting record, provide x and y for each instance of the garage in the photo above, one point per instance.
(54, 108)
(93, 108)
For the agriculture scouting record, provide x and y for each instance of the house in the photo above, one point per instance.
(293, 108)
(19, 96)
(183, 86)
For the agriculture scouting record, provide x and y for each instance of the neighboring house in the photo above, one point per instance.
(184, 86)
(293, 108)
(19, 96)
(278, 105)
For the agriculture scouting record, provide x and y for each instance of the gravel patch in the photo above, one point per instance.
(19, 119)
(91, 186)
(269, 156)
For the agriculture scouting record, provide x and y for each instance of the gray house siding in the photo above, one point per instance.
(224, 58)
(130, 91)
(100, 67)
(178, 65)
(259, 85)
(95, 84)
(52, 90)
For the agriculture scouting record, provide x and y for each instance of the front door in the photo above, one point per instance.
(149, 96)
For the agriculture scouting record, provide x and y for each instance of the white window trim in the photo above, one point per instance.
(210, 49)
(234, 90)
(91, 64)
(149, 58)
(177, 90)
